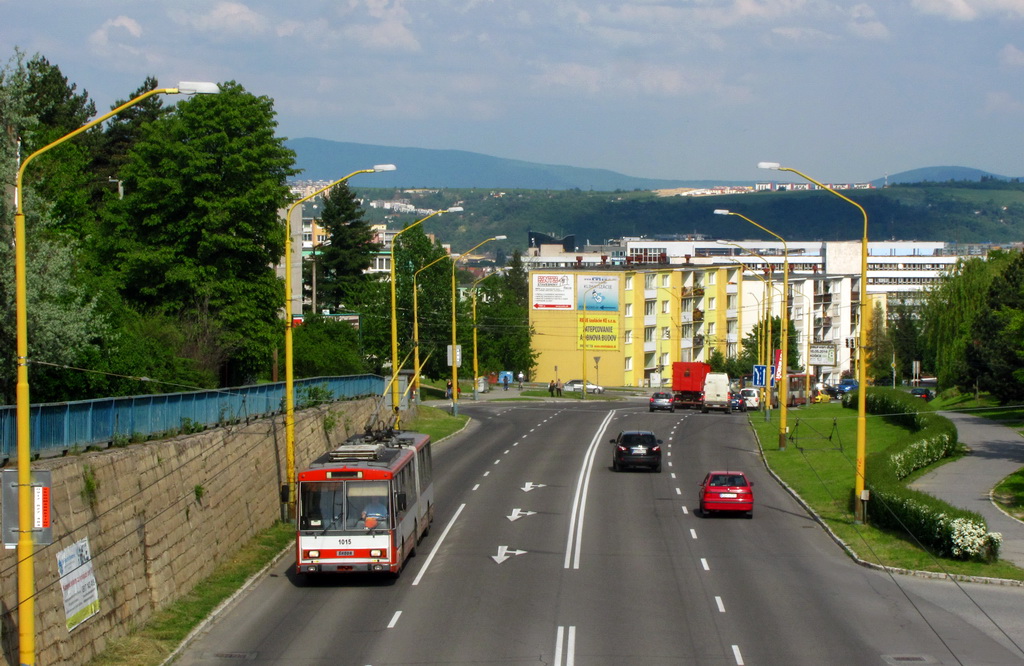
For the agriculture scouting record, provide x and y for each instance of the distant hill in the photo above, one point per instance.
(320, 159)
(939, 174)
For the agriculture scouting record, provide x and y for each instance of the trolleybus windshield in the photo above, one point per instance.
(343, 505)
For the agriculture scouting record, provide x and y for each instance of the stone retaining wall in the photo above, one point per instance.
(159, 517)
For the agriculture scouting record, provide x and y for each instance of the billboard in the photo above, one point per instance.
(597, 331)
(551, 291)
(598, 293)
(823, 354)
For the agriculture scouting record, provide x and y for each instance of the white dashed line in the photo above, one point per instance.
(394, 620)
(693, 533)
(679, 492)
(721, 606)
(736, 653)
(685, 511)
(704, 563)
(476, 486)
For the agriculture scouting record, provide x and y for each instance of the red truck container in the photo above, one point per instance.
(688, 383)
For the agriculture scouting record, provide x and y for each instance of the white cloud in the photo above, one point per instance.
(231, 18)
(1003, 103)
(101, 37)
(388, 29)
(1011, 56)
(969, 10)
(865, 25)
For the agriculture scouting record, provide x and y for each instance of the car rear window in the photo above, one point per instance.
(637, 440)
(727, 480)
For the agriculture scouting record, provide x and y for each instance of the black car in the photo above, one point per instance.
(636, 448)
(665, 401)
(922, 393)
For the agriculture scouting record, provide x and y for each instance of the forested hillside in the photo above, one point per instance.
(963, 212)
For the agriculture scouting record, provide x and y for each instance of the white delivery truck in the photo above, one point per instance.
(717, 392)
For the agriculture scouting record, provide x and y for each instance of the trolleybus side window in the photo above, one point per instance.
(424, 467)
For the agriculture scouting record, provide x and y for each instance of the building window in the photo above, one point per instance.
(629, 282)
(711, 328)
(627, 337)
(649, 281)
(628, 310)
(731, 302)
(649, 307)
(666, 333)
(711, 277)
(711, 302)
(629, 364)
(664, 280)
(665, 307)
(649, 334)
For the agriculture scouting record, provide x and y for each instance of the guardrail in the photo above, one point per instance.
(60, 427)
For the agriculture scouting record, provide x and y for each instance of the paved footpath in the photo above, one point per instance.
(996, 451)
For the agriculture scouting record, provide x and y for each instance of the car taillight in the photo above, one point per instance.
(652, 399)
(622, 447)
(656, 448)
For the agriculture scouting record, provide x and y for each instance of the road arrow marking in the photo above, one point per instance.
(531, 485)
(504, 553)
(519, 513)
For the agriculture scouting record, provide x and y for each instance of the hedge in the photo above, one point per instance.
(946, 530)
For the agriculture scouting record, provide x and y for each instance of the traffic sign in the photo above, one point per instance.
(759, 375)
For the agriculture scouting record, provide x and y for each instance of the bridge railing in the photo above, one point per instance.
(60, 427)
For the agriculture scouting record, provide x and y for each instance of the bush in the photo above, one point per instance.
(944, 529)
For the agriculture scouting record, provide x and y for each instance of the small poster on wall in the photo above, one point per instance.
(81, 598)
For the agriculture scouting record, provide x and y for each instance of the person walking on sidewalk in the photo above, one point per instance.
(551, 388)
(558, 388)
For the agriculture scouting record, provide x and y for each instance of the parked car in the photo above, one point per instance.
(577, 385)
(726, 491)
(752, 397)
(736, 402)
(923, 393)
(829, 390)
(663, 401)
(847, 385)
(636, 448)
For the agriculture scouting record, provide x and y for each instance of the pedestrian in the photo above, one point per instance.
(448, 389)
(558, 388)
(520, 380)
(504, 381)
(551, 388)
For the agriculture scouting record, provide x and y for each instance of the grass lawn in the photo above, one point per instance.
(819, 464)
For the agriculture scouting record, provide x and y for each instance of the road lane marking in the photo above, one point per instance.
(437, 546)
(579, 502)
(737, 655)
(476, 486)
(693, 533)
(704, 563)
(721, 606)
(678, 491)
(569, 645)
(394, 620)
(685, 512)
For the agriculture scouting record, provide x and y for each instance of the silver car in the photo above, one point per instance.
(663, 401)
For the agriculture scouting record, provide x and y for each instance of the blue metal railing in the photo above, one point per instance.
(57, 428)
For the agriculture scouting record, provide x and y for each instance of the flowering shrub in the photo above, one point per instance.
(946, 530)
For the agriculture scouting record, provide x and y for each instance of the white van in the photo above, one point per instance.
(717, 392)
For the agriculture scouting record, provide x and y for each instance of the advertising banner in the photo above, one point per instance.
(598, 293)
(552, 291)
(597, 331)
(81, 598)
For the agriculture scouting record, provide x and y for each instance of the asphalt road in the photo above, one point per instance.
(540, 554)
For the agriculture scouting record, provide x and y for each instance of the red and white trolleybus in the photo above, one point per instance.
(365, 505)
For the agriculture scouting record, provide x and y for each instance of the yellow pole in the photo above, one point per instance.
(476, 367)
(416, 326)
(784, 334)
(395, 366)
(289, 359)
(455, 364)
(26, 563)
(862, 374)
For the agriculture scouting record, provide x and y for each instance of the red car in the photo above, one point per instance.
(726, 491)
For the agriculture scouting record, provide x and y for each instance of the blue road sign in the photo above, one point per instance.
(759, 375)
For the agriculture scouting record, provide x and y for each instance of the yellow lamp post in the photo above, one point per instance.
(289, 359)
(416, 326)
(26, 564)
(395, 366)
(476, 367)
(455, 341)
(862, 374)
(784, 333)
(808, 331)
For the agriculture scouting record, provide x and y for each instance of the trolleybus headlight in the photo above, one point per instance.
(312, 553)
(376, 553)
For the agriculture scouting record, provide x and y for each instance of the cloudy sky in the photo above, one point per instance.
(680, 89)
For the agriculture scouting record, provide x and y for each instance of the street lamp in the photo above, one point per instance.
(862, 374)
(26, 564)
(289, 360)
(784, 387)
(476, 369)
(416, 325)
(394, 312)
(455, 343)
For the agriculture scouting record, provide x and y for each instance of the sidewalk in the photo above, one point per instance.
(995, 452)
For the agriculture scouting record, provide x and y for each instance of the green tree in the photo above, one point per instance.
(948, 317)
(326, 347)
(996, 353)
(905, 334)
(880, 349)
(350, 250)
(198, 229)
(503, 327)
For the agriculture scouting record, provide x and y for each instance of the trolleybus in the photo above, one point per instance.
(365, 505)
